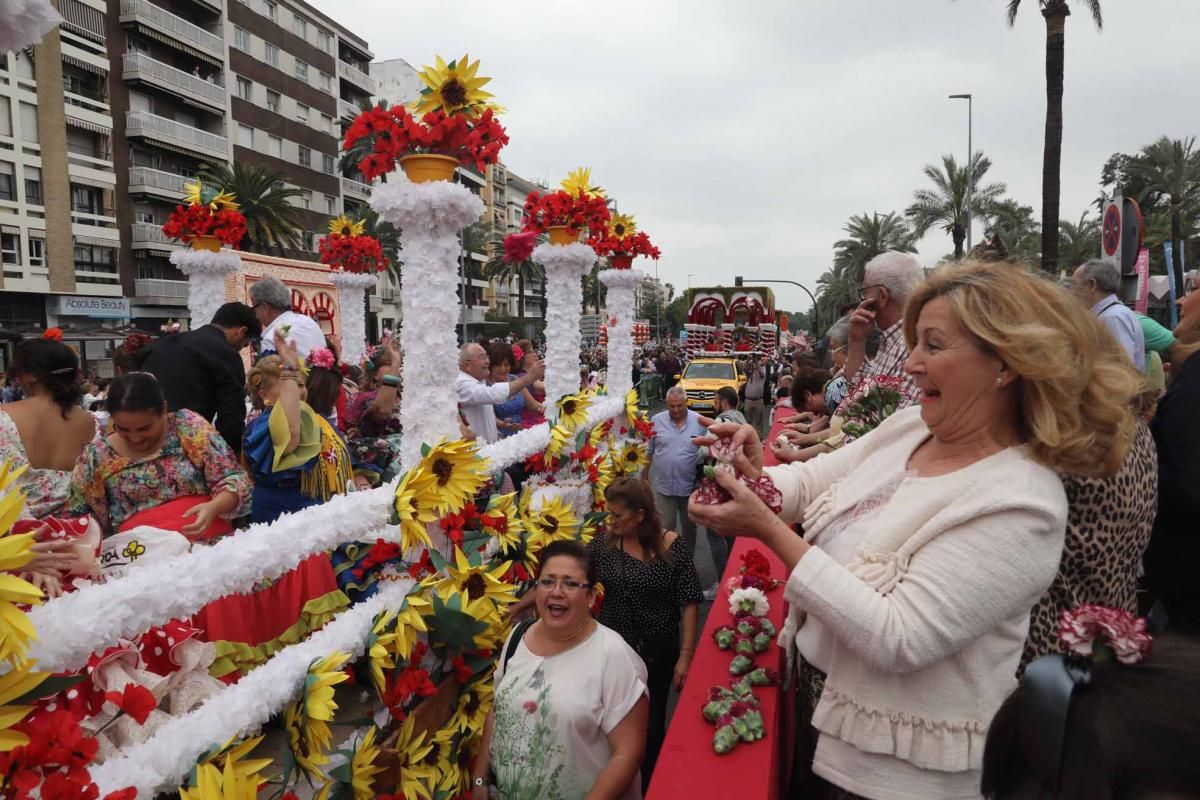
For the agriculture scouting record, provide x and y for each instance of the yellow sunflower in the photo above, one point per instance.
(379, 648)
(554, 521)
(235, 779)
(344, 226)
(471, 712)
(16, 631)
(458, 474)
(362, 767)
(572, 410)
(453, 88)
(199, 194)
(454, 761)
(481, 589)
(307, 719)
(622, 225)
(598, 434)
(16, 683)
(414, 508)
(507, 532)
(630, 459)
(410, 622)
(560, 437)
(416, 775)
(578, 183)
(632, 412)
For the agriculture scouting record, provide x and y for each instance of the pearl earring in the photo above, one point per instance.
(999, 381)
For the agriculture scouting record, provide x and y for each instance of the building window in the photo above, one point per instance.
(327, 163)
(8, 189)
(330, 204)
(300, 27)
(307, 236)
(5, 117)
(301, 70)
(327, 123)
(243, 88)
(10, 248)
(306, 201)
(29, 123)
(94, 259)
(37, 252)
(327, 81)
(241, 39)
(273, 101)
(85, 199)
(272, 11)
(33, 185)
(275, 146)
(146, 217)
(302, 113)
(246, 136)
(272, 54)
(305, 156)
(326, 40)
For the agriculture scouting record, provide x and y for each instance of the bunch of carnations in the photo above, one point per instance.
(188, 222)
(563, 209)
(709, 492)
(359, 254)
(1104, 634)
(754, 574)
(874, 400)
(631, 246)
(751, 632)
(386, 134)
(736, 711)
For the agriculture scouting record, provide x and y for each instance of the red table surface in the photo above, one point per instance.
(687, 766)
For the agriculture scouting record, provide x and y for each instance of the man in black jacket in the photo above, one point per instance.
(202, 369)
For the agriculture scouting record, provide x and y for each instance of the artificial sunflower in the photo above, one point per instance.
(630, 459)
(599, 434)
(16, 631)
(622, 225)
(578, 183)
(560, 437)
(362, 767)
(16, 683)
(453, 88)
(481, 588)
(409, 622)
(632, 412)
(553, 521)
(416, 775)
(502, 520)
(197, 194)
(572, 410)
(458, 474)
(236, 779)
(471, 712)
(307, 719)
(344, 226)
(414, 509)
(379, 649)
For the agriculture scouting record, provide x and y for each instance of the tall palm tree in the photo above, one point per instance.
(271, 221)
(835, 288)
(1078, 241)
(1171, 167)
(945, 205)
(1017, 228)
(501, 271)
(1055, 13)
(868, 236)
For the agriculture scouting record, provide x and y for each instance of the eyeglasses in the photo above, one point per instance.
(568, 584)
(862, 292)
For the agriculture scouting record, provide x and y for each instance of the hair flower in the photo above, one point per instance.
(52, 334)
(1102, 634)
(321, 357)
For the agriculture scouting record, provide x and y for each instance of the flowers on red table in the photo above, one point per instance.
(209, 212)
(1104, 634)
(384, 134)
(622, 239)
(348, 249)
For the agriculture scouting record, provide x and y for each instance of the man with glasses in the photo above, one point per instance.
(272, 304)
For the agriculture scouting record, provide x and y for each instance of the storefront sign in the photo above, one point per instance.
(94, 307)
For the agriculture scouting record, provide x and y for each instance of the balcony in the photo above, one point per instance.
(175, 28)
(166, 292)
(356, 76)
(347, 109)
(355, 188)
(149, 236)
(144, 180)
(170, 132)
(141, 67)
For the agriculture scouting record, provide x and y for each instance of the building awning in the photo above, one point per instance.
(96, 241)
(9, 229)
(79, 62)
(82, 19)
(85, 180)
(87, 126)
(171, 41)
(37, 233)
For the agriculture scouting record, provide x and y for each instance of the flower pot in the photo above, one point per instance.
(425, 167)
(617, 261)
(210, 243)
(561, 234)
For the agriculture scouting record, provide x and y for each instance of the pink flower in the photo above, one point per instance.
(519, 246)
(1080, 630)
(529, 706)
(321, 357)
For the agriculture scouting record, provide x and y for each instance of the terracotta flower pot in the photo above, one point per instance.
(210, 243)
(425, 167)
(561, 234)
(620, 262)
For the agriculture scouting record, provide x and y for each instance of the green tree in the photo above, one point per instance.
(675, 314)
(945, 205)
(1017, 228)
(868, 236)
(836, 287)
(1171, 167)
(1055, 13)
(1078, 241)
(594, 291)
(271, 221)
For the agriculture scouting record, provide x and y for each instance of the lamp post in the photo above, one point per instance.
(970, 155)
(690, 276)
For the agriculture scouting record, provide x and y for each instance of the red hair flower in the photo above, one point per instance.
(1103, 634)
(53, 334)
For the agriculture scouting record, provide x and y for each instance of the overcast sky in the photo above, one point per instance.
(744, 134)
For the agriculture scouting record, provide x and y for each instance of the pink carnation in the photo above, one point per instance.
(321, 357)
(1123, 633)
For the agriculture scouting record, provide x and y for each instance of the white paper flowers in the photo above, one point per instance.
(565, 267)
(206, 273)
(748, 600)
(25, 22)
(621, 284)
(350, 286)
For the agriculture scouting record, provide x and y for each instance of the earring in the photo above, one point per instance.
(999, 381)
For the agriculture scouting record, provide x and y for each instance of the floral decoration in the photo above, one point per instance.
(347, 248)
(209, 212)
(622, 238)
(874, 400)
(561, 208)
(52, 334)
(1104, 634)
(518, 247)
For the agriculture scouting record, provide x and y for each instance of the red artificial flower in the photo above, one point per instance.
(52, 334)
(462, 671)
(136, 701)
(422, 567)
(543, 211)
(128, 793)
(410, 682)
(518, 247)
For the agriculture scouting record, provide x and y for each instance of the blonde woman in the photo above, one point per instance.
(928, 540)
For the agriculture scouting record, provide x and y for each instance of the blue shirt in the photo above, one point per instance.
(1125, 328)
(673, 470)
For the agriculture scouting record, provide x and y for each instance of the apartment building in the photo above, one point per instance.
(58, 229)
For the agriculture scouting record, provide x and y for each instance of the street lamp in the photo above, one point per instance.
(690, 276)
(970, 154)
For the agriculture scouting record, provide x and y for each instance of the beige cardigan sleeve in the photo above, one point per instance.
(803, 481)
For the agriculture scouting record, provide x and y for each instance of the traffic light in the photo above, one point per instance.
(737, 281)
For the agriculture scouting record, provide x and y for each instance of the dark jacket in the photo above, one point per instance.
(199, 370)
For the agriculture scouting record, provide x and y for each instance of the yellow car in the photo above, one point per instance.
(702, 377)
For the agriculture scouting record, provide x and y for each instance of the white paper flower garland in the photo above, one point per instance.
(429, 216)
(351, 286)
(621, 283)
(163, 761)
(25, 23)
(565, 267)
(206, 273)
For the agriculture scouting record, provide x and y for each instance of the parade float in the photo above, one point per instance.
(353, 258)
(209, 223)
(725, 319)
(448, 549)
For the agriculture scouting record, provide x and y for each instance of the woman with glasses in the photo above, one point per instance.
(569, 718)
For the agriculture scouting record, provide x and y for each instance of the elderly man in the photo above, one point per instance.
(1096, 283)
(477, 399)
(272, 304)
(673, 460)
(888, 280)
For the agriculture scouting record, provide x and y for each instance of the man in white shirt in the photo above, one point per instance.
(1096, 283)
(272, 304)
(477, 399)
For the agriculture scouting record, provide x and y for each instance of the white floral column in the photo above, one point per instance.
(622, 284)
(429, 215)
(351, 286)
(565, 267)
(206, 273)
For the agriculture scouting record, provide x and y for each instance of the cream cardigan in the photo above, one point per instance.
(931, 615)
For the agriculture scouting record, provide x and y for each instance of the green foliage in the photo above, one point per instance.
(271, 221)
(955, 189)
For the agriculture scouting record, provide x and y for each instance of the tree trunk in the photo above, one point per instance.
(1056, 14)
(959, 234)
(1177, 245)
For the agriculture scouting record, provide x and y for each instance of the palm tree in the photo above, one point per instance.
(501, 271)
(1078, 241)
(1055, 12)
(1018, 230)
(945, 205)
(837, 287)
(262, 197)
(1171, 167)
(868, 237)
(593, 289)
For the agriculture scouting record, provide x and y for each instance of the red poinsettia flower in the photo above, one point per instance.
(136, 701)
(462, 671)
(519, 246)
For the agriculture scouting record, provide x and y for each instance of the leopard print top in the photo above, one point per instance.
(1108, 528)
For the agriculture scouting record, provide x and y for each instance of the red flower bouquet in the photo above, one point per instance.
(631, 246)
(189, 222)
(563, 209)
(518, 247)
(348, 249)
(385, 134)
